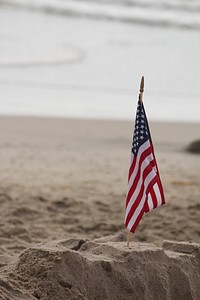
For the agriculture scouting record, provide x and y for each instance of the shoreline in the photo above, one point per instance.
(98, 119)
(185, 131)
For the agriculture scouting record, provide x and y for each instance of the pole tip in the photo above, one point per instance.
(142, 85)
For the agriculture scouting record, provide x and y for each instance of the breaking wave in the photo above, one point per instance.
(177, 14)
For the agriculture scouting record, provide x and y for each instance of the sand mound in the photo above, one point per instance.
(103, 269)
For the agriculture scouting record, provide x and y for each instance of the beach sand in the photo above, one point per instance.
(63, 179)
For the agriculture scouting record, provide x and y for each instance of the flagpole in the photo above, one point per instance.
(128, 239)
(141, 89)
(141, 96)
(141, 144)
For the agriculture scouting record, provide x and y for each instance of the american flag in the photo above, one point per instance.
(145, 190)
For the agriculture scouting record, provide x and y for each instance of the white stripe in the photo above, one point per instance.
(144, 147)
(150, 202)
(147, 181)
(154, 168)
(144, 164)
(158, 195)
(132, 157)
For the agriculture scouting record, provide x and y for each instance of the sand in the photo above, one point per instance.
(103, 269)
(63, 179)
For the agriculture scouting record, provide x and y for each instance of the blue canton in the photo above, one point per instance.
(141, 132)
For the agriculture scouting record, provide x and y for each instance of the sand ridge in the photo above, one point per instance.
(102, 269)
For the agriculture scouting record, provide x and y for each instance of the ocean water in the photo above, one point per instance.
(84, 59)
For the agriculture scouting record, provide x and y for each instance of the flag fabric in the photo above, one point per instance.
(145, 190)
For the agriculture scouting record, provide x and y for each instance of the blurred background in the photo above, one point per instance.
(84, 59)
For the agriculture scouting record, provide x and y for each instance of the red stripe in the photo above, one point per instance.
(132, 167)
(155, 160)
(137, 221)
(144, 175)
(159, 180)
(146, 172)
(154, 198)
(137, 177)
(161, 190)
(133, 208)
(146, 206)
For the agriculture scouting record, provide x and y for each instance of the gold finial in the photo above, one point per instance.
(142, 85)
(141, 89)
